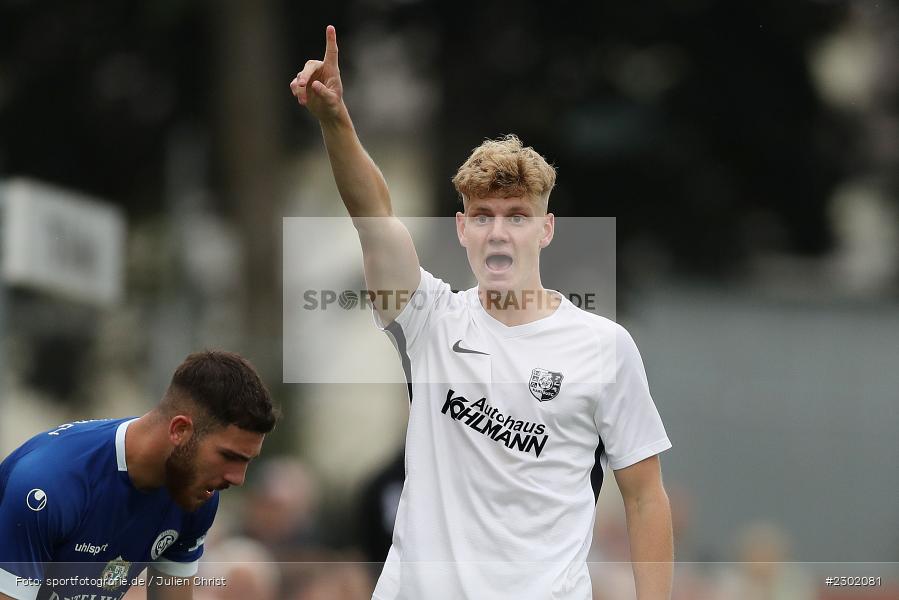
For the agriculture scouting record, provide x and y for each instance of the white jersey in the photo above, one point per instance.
(510, 430)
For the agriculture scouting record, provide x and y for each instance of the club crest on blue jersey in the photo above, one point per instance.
(115, 574)
(163, 541)
(545, 385)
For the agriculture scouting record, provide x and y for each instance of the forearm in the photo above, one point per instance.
(161, 586)
(156, 593)
(390, 260)
(652, 545)
(359, 180)
(170, 593)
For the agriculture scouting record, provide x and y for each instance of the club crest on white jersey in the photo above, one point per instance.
(545, 385)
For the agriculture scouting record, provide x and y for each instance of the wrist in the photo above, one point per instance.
(338, 120)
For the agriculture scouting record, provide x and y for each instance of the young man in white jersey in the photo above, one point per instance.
(519, 400)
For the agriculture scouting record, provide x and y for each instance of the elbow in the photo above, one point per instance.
(653, 498)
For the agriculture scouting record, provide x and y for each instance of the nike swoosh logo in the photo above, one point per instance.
(457, 347)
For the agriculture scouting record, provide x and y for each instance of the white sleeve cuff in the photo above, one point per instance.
(176, 569)
(642, 453)
(19, 588)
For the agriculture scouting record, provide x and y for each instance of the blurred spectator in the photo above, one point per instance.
(239, 569)
(690, 578)
(336, 581)
(377, 509)
(609, 558)
(280, 508)
(764, 573)
(610, 567)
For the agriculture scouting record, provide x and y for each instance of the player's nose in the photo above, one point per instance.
(498, 230)
(237, 475)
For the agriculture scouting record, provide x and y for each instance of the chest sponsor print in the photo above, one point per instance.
(520, 435)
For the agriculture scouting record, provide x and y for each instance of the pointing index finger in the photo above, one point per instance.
(331, 45)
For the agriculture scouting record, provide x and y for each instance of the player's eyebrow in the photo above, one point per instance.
(519, 209)
(236, 455)
(473, 210)
(513, 209)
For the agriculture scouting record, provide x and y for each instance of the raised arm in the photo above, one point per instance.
(390, 260)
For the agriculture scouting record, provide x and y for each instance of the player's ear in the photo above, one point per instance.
(460, 228)
(181, 427)
(549, 229)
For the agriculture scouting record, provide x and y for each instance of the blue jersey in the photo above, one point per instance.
(73, 526)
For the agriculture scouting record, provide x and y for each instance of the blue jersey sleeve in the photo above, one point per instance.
(181, 557)
(39, 509)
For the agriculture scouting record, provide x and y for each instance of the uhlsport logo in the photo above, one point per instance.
(163, 541)
(545, 385)
(36, 499)
(93, 549)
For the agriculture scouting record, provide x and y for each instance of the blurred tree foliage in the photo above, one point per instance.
(692, 121)
(89, 91)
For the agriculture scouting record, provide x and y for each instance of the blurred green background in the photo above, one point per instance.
(748, 150)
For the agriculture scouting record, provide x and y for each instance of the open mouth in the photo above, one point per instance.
(498, 262)
(207, 493)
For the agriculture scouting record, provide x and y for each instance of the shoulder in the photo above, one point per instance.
(37, 483)
(43, 495)
(437, 291)
(597, 324)
(66, 459)
(73, 443)
(432, 301)
(609, 341)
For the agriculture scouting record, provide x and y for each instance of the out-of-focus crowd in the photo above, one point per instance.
(266, 544)
(269, 545)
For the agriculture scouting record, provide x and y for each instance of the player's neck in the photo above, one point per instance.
(143, 452)
(519, 307)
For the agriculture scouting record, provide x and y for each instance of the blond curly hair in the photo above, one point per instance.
(505, 168)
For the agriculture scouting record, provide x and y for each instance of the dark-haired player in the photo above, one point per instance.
(85, 507)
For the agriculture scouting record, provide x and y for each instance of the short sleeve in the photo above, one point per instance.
(38, 509)
(181, 559)
(431, 295)
(626, 416)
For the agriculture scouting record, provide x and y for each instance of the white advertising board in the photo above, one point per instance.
(61, 242)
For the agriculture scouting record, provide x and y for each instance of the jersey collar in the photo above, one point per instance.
(513, 331)
(120, 444)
